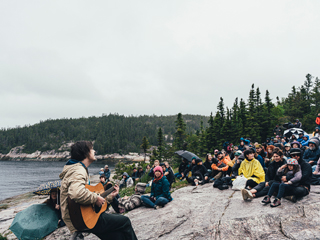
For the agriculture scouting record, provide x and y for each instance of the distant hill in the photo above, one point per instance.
(112, 133)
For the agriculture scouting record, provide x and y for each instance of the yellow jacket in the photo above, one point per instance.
(252, 170)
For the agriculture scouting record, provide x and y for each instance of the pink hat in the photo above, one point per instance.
(158, 168)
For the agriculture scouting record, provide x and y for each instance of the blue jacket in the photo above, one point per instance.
(312, 155)
(161, 189)
(260, 159)
(305, 143)
(107, 174)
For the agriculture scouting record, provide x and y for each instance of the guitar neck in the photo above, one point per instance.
(106, 193)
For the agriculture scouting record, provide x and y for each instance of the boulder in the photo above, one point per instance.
(208, 213)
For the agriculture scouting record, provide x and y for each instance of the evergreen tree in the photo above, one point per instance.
(144, 146)
(160, 143)
(180, 134)
(210, 135)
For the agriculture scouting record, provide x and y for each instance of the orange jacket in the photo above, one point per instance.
(225, 161)
(318, 120)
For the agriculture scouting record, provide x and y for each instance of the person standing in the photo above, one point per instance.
(74, 177)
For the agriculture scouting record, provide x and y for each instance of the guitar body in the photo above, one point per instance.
(86, 216)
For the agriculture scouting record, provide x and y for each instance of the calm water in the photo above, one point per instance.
(21, 177)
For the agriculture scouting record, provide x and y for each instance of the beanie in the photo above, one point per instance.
(158, 168)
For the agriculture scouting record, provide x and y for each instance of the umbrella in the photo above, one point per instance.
(186, 154)
(293, 131)
(35, 222)
(44, 189)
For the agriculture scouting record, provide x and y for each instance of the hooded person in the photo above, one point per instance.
(126, 181)
(305, 140)
(312, 154)
(251, 169)
(300, 138)
(316, 132)
(182, 167)
(160, 190)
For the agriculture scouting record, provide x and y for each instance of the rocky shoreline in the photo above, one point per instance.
(17, 154)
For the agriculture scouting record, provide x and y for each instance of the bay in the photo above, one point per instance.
(17, 177)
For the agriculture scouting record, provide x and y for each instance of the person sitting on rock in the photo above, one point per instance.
(304, 186)
(268, 157)
(312, 154)
(155, 164)
(251, 169)
(188, 172)
(262, 188)
(316, 132)
(219, 167)
(107, 172)
(126, 181)
(199, 174)
(208, 162)
(139, 174)
(134, 173)
(160, 190)
(290, 174)
(236, 163)
(54, 203)
(168, 173)
(287, 148)
(182, 167)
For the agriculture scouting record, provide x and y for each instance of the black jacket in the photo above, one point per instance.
(170, 176)
(306, 170)
(272, 170)
(207, 164)
(183, 167)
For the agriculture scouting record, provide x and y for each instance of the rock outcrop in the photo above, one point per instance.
(208, 213)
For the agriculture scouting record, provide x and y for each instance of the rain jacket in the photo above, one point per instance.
(222, 161)
(74, 177)
(252, 170)
(128, 181)
(161, 189)
(305, 142)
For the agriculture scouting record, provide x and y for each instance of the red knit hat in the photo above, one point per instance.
(158, 168)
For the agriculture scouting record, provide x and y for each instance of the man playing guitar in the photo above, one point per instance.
(73, 185)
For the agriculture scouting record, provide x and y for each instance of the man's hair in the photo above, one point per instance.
(80, 150)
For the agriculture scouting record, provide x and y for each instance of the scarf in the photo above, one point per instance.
(155, 180)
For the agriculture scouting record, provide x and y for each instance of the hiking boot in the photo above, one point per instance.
(291, 198)
(276, 203)
(266, 200)
(246, 194)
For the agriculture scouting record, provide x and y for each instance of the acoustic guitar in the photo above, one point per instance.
(85, 217)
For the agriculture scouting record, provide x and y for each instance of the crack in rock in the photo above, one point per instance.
(178, 225)
(282, 231)
(217, 234)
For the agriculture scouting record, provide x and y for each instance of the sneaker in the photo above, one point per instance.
(211, 180)
(276, 203)
(266, 200)
(157, 207)
(246, 194)
(291, 198)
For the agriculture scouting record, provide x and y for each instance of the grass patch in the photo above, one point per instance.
(2, 237)
(179, 184)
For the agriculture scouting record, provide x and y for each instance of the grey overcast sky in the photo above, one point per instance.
(62, 59)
